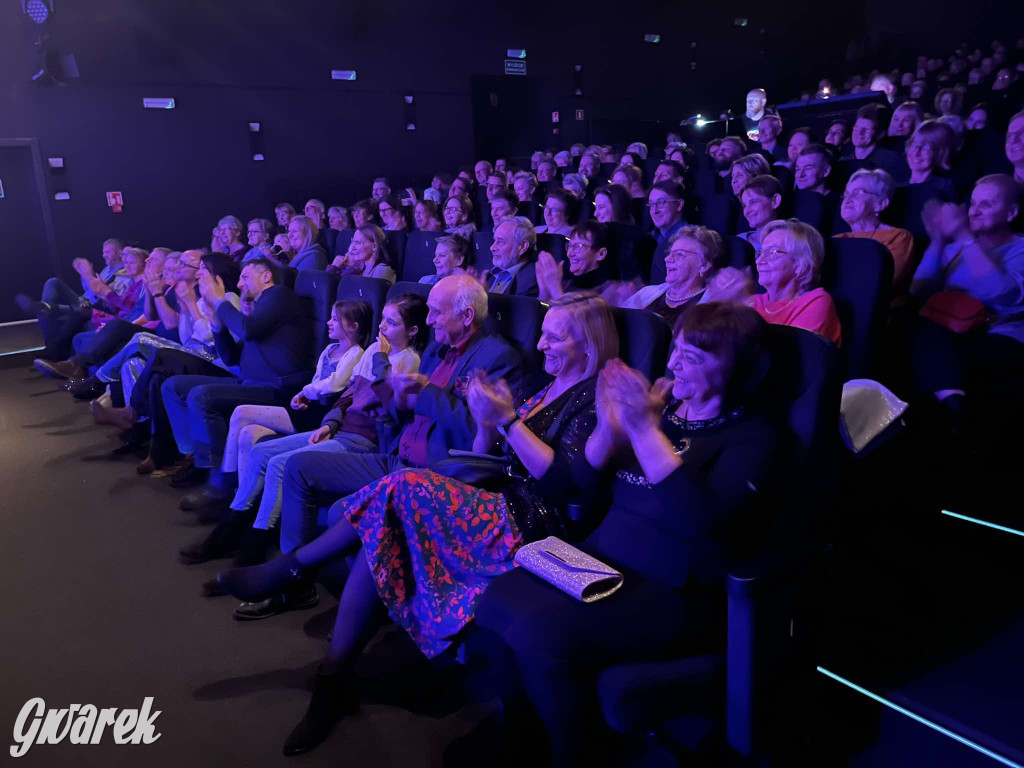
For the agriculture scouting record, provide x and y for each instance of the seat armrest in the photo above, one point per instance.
(293, 382)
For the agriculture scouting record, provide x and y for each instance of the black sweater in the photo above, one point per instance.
(691, 526)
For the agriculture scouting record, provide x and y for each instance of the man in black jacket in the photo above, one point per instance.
(271, 342)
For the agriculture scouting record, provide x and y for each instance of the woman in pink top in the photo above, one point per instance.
(789, 267)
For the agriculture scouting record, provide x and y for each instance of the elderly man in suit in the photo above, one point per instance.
(513, 258)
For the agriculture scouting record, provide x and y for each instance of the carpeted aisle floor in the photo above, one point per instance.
(95, 609)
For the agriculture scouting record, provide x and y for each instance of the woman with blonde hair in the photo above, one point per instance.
(744, 169)
(302, 236)
(367, 255)
(789, 269)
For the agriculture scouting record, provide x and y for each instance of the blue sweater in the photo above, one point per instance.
(313, 257)
(275, 340)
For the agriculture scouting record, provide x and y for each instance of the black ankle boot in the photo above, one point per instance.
(282, 574)
(222, 541)
(334, 697)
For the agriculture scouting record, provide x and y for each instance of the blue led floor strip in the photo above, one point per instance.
(923, 721)
(982, 522)
(20, 351)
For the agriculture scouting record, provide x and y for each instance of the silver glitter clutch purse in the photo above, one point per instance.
(574, 572)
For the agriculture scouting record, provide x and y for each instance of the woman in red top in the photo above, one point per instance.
(789, 268)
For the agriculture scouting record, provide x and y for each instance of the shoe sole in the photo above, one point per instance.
(48, 372)
(305, 606)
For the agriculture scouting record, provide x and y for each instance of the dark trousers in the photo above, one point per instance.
(560, 645)
(147, 399)
(199, 409)
(981, 364)
(59, 327)
(107, 341)
(313, 479)
(57, 292)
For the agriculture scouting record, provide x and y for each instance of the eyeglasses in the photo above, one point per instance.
(923, 147)
(679, 253)
(772, 253)
(657, 205)
(577, 245)
(855, 193)
(256, 232)
(186, 265)
(554, 209)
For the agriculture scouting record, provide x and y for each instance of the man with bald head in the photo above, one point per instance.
(756, 101)
(428, 416)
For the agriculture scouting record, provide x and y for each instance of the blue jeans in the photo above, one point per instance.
(265, 470)
(199, 408)
(313, 479)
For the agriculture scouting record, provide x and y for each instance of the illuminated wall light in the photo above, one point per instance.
(55, 162)
(516, 53)
(410, 127)
(258, 157)
(255, 127)
(62, 196)
(343, 74)
(158, 103)
(652, 38)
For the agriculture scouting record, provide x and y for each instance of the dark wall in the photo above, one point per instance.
(230, 62)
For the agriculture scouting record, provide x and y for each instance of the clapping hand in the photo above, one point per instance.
(945, 222)
(549, 276)
(618, 292)
(211, 288)
(489, 403)
(730, 284)
(635, 403)
(97, 286)
(406, 386)
(84, 268)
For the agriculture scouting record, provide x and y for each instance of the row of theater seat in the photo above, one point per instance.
(857, 272)
(644, 336)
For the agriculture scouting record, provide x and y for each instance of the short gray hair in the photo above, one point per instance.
(576, 180)
(879, 183)
(232, 222)
(523, 231)
(805, 245)
(525, 176)
(468, 293)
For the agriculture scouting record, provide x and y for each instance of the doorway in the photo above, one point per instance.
(512, 115)
(29, 253)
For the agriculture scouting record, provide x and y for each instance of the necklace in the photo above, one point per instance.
(681, 299)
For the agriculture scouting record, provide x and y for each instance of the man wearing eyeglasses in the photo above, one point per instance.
(665, 203)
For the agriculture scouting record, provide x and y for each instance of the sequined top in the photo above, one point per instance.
(565, 424)
(685, 529)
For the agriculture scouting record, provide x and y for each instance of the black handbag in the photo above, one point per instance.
(481, 470)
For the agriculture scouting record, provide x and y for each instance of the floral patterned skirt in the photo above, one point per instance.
(433, 545)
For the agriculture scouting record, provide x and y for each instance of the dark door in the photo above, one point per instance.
(24, 244)
(512, 115)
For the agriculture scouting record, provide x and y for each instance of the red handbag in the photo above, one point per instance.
(959, 312)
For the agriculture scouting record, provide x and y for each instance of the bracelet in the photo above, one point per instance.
(504, 429)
